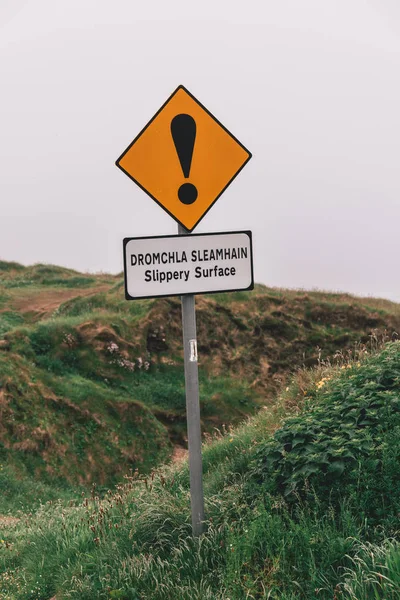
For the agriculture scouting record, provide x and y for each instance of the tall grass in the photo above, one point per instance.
(374, 572)
(135, 542)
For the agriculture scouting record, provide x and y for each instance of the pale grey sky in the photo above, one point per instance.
(310, 87)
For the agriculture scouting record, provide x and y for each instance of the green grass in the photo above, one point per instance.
(67, 428)
(327, 538)
(105, 302)
(67, 328)
(9, 320)
(10, 266)
(22, 494)
(374, 572)
(301, 500)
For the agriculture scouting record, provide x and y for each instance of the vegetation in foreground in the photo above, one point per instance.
(92, 386)
(302, 503)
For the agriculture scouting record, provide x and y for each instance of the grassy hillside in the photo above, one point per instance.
(301, 503)
(92, 386)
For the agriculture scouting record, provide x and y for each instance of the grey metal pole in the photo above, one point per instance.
(193, 409)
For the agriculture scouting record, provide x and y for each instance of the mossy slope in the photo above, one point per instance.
(93, 386)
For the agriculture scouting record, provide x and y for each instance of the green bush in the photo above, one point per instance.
(345, 443)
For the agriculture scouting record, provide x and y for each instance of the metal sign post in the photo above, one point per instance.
(193, 409)
(184, 159)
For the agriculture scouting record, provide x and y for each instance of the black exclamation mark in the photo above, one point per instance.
(183, 130)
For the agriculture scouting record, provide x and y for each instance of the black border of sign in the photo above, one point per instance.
(156, 237)
(182, 87)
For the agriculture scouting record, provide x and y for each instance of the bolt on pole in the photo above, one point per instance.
(193, 409)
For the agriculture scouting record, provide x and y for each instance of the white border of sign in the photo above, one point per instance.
(183, 280)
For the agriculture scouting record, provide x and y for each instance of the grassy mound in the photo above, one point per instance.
(277, 527)
(349, 439)
(93, 386)
(69, 429)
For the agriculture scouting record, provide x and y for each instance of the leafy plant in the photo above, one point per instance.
(344, 439)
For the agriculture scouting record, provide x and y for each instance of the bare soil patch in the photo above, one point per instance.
(6, 520)
(179, 454)
(45, 302)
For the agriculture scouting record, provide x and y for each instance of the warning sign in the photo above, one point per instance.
(184, 158)
(188, 264)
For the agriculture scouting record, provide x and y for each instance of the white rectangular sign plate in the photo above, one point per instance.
(176, 265)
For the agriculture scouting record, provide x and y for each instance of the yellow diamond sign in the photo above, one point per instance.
(184, 158)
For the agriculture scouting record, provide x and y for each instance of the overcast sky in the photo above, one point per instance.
(310, 87)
